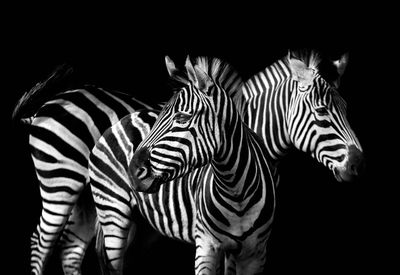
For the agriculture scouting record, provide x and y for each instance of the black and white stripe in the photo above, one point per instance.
(63, 127)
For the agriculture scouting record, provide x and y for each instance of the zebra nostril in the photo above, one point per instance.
(353, 169)
(356, 163)
(141, 157)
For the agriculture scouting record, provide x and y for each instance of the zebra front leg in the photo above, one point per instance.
(251, 266)
(208, 256)
(229, 264)
(254, 262)
(77, 234)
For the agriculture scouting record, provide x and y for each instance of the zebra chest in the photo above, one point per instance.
(235, 219)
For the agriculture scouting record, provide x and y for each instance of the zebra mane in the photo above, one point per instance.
(317, 61)
(220, 71)
(311, 58)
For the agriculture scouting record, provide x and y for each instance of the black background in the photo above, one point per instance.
(321, 226)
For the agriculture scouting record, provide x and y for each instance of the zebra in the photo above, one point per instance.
(64, 124)
(269, 91)
(116, 201)
(213, 111)
(295, 103)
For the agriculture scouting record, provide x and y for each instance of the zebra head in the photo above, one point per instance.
(316, 116)
(187, 133)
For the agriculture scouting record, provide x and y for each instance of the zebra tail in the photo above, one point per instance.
(100, 248)
(31, 101)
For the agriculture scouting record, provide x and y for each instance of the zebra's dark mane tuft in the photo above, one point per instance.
(220, 71)
(318, 61)
(311, 58)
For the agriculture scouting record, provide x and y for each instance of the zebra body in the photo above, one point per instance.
(62, 131)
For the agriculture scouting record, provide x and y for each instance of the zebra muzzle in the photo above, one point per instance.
(354, 167)
(139, 169)
(141, 175)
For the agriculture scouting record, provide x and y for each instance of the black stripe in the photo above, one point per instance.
(119, 109)
(61, 173)
(100, 118)
(78, 127)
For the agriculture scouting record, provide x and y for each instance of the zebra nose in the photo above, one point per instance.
(356, 163)
(137, 168)
(141, 157)
(140, 162)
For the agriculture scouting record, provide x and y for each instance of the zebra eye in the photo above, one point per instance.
(182, 118)
(322, 111)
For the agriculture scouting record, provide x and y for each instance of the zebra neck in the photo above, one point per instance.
(264, 103)
(242, 164)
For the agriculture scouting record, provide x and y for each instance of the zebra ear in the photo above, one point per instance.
(340, 66)
(190, 71)
(171, 68)
(203, 79)
(301, 72)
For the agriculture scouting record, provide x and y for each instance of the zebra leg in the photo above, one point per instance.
(251, 266)
(54, 215)
(254, 263)
(77, 234)
(208, 255)
(229, 264)
(112, 245)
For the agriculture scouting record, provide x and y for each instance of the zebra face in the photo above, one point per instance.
(185, 136)
(318, 125)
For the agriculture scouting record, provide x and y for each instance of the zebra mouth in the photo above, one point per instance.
(157, 182)
(343, 175)
(151, 184)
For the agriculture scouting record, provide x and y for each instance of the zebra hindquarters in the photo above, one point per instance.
(62, 178)
(78, 233)
(57, 206)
